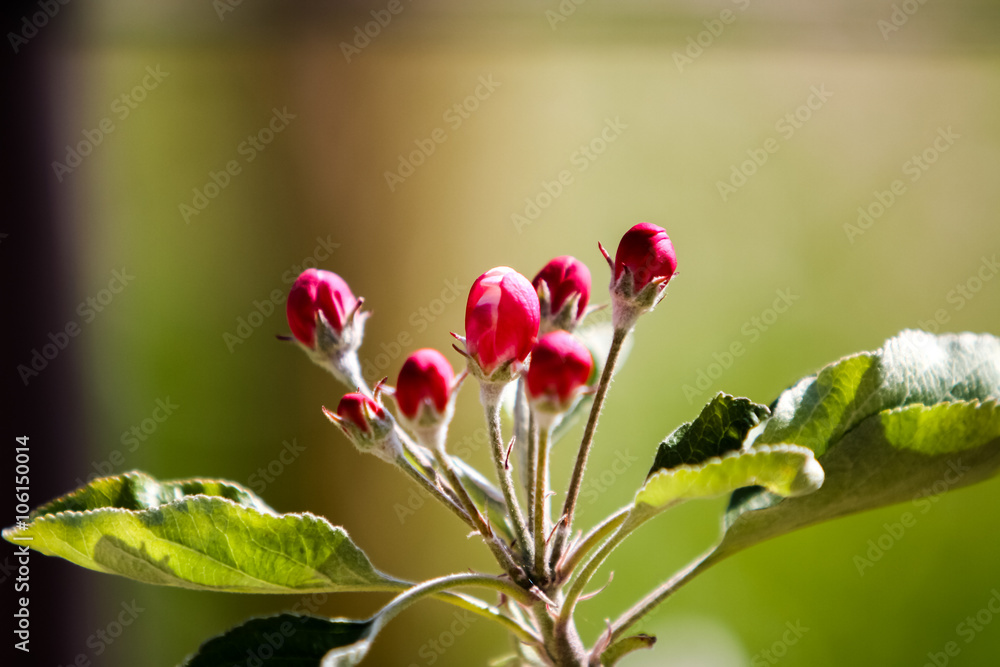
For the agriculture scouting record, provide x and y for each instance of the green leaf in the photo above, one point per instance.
(720, 428)
(706, 458)
(786, 470)
(285, 640)
(173, 533)
(918, 416)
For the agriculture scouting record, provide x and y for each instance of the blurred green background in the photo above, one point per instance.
(413, 249)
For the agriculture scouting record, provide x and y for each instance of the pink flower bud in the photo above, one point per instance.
(315, 292)
(648, 253)
(566, 283)
(360, 410)
(501, 319)
(559, 370)
(425, 379)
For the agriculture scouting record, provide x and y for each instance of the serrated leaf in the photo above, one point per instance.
(919, 415)
(721, 427)
(196, 540)
(285, 640)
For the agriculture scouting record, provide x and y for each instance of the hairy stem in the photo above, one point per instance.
(625, 622)
(490, 396)
(439, 587)
(434, 490)
(591, 540)
(496, 546)
(573, 493)
(540, 496)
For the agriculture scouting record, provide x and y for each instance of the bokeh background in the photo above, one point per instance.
(550, 78)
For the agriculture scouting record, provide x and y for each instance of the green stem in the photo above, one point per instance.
(439, 587)
(595, 537)
(660, 594)
(573, 493)
(496, 546)
(628, 525)
(490, 395)
(540, 495)
(532, 465)
(433, 490)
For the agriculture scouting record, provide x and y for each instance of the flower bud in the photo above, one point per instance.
(644, 264)
(316, 292)
(560, 367)
(326, 320)
(424, 386)
(501, 324)
(367, 425)
(563, 287)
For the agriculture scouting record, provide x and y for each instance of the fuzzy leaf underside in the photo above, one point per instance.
(918, 416)
(121, 525)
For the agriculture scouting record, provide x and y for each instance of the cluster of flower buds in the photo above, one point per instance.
(505, 315)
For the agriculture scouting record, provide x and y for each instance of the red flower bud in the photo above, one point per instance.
(425, 379)
(360, 410)
(501, 319)
(315, 292)
(567, 282)
(648, 253)
(559, 370)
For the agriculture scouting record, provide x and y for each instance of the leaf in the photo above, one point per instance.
(707, 458)
(786, 470)
(121, 525)
(918, 416)
(721, 427)
(285, 640)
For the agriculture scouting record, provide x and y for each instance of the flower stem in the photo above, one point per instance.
(490, 396)
(595, 537)
(540, 498)
(573, 493)
(660, 594)
(439, 587)
(496, 546)
(436, 492)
